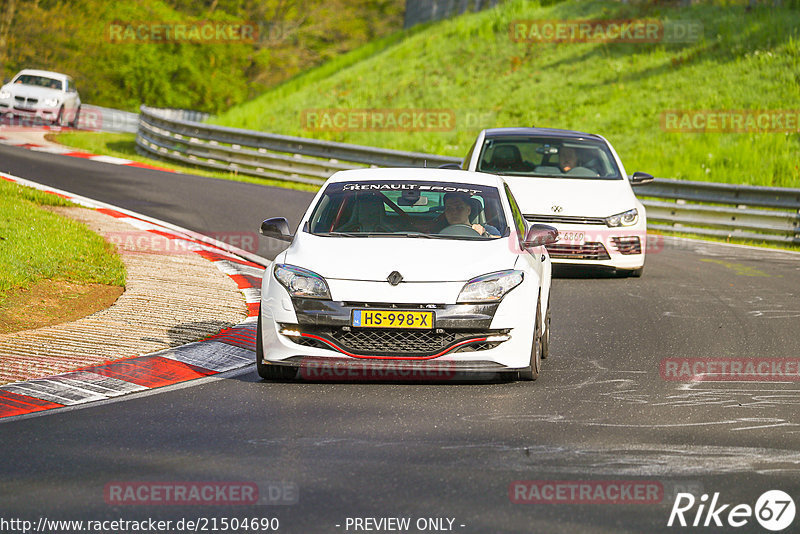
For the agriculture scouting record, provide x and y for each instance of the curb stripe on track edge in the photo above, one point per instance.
(232, 348)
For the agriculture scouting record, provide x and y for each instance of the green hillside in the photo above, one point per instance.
(745, 59)
(121, 53)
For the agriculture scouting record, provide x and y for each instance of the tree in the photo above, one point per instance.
(6, 20)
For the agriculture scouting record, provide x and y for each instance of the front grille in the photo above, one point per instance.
(397, 341)
(627, 245)
(587, 251)
(387, 342)
(564, 219)
(310, 342)
(475, 347)
(26, 101)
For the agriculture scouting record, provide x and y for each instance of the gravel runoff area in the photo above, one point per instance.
(172, 297)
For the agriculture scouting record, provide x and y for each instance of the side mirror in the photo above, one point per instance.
(540, 234)
(277, 227)
(451, 166)
(641, 178)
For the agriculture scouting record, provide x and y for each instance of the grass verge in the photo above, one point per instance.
(39, 247)
(744, 59)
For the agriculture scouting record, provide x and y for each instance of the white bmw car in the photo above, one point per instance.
(576, 182)
(41, 95)
(413, 270)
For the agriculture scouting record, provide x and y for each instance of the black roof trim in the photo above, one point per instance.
(549, 132)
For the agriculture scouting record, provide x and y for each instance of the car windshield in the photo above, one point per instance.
(39, 81)
(548, 157)
(439, 210)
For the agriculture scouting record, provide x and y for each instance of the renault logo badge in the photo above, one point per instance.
(394, 278)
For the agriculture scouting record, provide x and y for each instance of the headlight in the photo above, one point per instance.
(4, 94)
(301, 282)
(628, 218)
(51, 102)
(489, 287)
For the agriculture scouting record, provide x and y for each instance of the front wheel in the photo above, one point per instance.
(265, 370)
(536, 349)
(74, 122)
(630, 273)
(60, 117)
(546, 333)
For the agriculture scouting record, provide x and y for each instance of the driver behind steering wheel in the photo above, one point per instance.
(457, 211)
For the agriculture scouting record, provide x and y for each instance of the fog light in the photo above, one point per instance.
(290, 333)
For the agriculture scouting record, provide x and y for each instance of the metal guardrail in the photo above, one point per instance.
(418, 11)
(769, 214)
(723, 210)
(107, 120)
(266, 155)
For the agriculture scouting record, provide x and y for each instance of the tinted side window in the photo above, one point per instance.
(468, 157)
(519, 220)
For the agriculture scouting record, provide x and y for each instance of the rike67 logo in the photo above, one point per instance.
(774, 510)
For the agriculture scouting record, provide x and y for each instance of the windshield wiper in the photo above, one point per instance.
(416, 234)
(397, 234)
(340, 234)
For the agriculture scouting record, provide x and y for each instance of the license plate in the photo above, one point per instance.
(571, 238)
(393, 319)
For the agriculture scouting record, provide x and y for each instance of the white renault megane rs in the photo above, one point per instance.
(409, 269)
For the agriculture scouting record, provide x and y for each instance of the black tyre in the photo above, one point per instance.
(536, 349)
(630, 273)
(265, 370)
(59, 117)
(74, 123)
(546, 333)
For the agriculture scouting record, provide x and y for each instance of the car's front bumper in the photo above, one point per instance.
(619, 247)
(333, 368)
(466, 337)
(42, 113)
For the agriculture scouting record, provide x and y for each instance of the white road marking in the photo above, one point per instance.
(211, 355)
(112, 160)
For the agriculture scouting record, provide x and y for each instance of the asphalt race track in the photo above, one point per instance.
(328, 453)
(229, 210)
